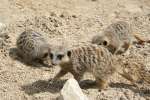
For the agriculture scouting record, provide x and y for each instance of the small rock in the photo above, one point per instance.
(2, 27)
(72, 91)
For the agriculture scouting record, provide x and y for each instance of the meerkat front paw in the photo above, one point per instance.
(102, 84)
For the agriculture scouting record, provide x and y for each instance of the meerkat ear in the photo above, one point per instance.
(94, 39)
(105, 43)
(68, 53)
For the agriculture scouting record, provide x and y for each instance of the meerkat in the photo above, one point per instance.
(90, 58)
(117, 37)
(33, 48)
(96, 60)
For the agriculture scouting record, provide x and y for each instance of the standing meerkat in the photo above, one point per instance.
(33, 47)
(117, 37)
(91, 58)
(96, 60)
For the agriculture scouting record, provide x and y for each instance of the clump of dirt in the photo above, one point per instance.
(4, 41)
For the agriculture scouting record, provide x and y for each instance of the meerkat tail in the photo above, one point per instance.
(140, 39)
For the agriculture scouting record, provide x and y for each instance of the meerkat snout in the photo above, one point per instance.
(59, 56)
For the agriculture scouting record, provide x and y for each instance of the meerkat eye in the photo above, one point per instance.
(105, 43)
(45, 55)
(51, 55)
(69, 53)
(60, 56)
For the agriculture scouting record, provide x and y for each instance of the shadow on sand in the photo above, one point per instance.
(52, 87)
(56, 86)
(142, 92)
(14, 55)
(43, 86)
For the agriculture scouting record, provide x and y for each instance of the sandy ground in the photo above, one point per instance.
(74, 21)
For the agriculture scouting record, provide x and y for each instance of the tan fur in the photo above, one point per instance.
(32, 46)
(118, 37)
(91, 58)
(100, 62)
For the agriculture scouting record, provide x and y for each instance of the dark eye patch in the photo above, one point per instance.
(105, 43)
(51, 55)
(45, 55)
(60, 56)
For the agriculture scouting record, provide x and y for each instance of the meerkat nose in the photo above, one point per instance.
(53, 64)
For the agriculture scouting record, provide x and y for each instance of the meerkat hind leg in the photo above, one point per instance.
(129, 78)
(83, 84)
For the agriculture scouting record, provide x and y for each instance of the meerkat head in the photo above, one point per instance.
(59, 55)
(100, 40)
(45, 54)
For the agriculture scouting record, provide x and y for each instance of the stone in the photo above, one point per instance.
(2, 27)
(72, 91)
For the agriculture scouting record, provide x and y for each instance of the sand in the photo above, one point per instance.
(70, 22)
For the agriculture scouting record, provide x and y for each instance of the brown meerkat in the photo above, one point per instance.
(33, 48)
(96, 60)
(91, 58)
(117, 37)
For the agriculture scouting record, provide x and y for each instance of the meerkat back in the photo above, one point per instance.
(122, 29)
(92, 58)
(32, 45)
(116, 37)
